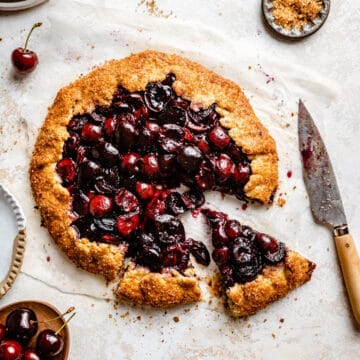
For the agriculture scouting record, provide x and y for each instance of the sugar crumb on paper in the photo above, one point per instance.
(153, 9)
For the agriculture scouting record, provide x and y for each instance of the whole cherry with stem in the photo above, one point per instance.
(23, 59)
(50, 343)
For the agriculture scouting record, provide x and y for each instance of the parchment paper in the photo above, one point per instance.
(70, 44)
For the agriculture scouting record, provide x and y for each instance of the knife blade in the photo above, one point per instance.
(325, 202)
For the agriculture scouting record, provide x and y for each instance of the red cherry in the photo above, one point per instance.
(224, 167)
(10, 350)
(130, 163)
(109, 126)
(126, 200)
(100, 205)
(150, 166)
(24, 60)
(145, 191)
(219, 137)
(66, 169)
(241, 174)
(30, 354)
(127, 223)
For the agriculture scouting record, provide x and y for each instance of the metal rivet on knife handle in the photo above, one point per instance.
(350, 265)
(340, 230)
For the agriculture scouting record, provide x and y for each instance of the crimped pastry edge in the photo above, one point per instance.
(272, 284)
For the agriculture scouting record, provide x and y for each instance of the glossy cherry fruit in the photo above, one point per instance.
(10, 350)
(49, 343)
(30, 354)
(21, 325)
(23, 59)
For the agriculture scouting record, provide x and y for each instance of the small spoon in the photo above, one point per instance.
(295, 34)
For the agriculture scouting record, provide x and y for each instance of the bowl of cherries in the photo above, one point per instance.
(33, 330)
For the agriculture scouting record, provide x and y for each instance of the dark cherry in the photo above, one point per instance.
(227, 273)
(150, 255)
(66, 168)
(176, 256)
(199, 115)
(189, 158)
(126, 135)
(130, 162)
(30, 354)
(168, 229)
(171, 138)
(23, 59)
(232, 228)
(21, 325)
(193, 199)
(10, 350)
(110, 126)
(224, 168)
(175, 204)
(199, 251)
(80, 204)
(221, 255)
(173, 115)
(169, 79)
(91, 132)
(77, 123)
(126, 201)
(248, 272)
(106, 224)
(49, 343)
(157, 96)
(241, 173)
(150, 166)
(205, 178)
(71, 145)
(167, 164)
(100, 205)
(2, 332)
(219, 138)
(127, 223)
(88, 170)
(106, 153)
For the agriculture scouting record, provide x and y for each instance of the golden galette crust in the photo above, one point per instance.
(193, 82)
(158, 290)
(274, 283)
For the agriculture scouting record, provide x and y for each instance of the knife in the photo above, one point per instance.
(326, 204)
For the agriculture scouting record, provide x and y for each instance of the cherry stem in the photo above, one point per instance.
(65, 323)
(68, 311)
(29, 34)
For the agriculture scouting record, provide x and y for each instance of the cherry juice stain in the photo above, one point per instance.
(289, 174)
(307, 153)
(48, 258)
(244, 206)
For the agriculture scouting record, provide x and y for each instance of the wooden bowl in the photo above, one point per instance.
(43, 311)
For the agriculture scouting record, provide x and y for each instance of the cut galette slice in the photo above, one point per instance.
(256, 269)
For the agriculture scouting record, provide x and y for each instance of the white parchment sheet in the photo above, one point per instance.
(74, 38)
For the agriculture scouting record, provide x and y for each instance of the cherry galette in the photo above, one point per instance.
(115, 150)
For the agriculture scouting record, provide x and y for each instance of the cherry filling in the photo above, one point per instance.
(241, 252)
(121, 162)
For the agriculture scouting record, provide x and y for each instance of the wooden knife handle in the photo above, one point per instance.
(350, 265)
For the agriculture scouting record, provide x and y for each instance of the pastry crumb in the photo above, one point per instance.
(281, 201)
(273, 335)
(282, 320)
(176, 319)
(124, 315)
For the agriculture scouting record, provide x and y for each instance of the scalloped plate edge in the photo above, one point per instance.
(19, 243)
